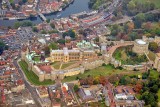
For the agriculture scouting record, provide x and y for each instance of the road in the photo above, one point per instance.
(31, 89)
(73, 93)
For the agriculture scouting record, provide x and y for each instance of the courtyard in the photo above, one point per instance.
(62, 65)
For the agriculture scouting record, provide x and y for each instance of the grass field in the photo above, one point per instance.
(65, 65)
(158, 94)
(36, 58)
(32, 77)
(151, 56)
(103, 70)
(56, 65)
(156, 2)
(154, 74)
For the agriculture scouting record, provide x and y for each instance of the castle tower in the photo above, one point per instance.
(103, 48)
(41, 76)
(53, 75)
(140, 46)
(66, 55)
(61, 75)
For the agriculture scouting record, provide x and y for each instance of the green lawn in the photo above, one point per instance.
(32, 77)
(151, 56)
(65, 65)
(36, 58)
(158, 95)
(56, 65)
(103, 70)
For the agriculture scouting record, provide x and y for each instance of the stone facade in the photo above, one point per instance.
(157, 62)
(134, 67)
(140, 46)
(66, 55)
(92, 64)
(18, 88)
(56, 74)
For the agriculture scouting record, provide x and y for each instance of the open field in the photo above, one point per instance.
(65, 65)
(32, 77)
(103, 70)
(151, 56)
(56, 65)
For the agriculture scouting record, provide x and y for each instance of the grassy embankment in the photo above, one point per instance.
(32, 77)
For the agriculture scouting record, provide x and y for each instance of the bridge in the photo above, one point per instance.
(42, 16)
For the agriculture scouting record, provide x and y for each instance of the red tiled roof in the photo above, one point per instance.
(7, 72)
(46, 68)
(20, 82)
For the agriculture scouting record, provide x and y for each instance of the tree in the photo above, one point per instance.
(144, 75)
(138, 87)
(76, 88)
(34, 29)
(24, 1)
(17, 25)
(154, 89)
(102, 80)
(48, 20)
(90, 80)
(61, 41)
(53, 45)
(130, 26)
(65, 34)
(72, 33)
(46, 50)
(26, 23)
(139, 19)
(133, 35)
(153, 46)
(2, 47)
(52, 25)
(43, 32)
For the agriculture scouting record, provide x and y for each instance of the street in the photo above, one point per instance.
(30, 88)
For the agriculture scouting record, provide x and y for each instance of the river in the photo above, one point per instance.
(76, 7)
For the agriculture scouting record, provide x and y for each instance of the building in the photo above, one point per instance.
(66, 55)
(3, 13)
(140, 46)
(42, 92)
(86, 95)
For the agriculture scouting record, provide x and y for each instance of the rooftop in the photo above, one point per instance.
(141, 42)
(46, 68)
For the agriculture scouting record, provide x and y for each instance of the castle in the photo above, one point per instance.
(44, 70)
(66, 55)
